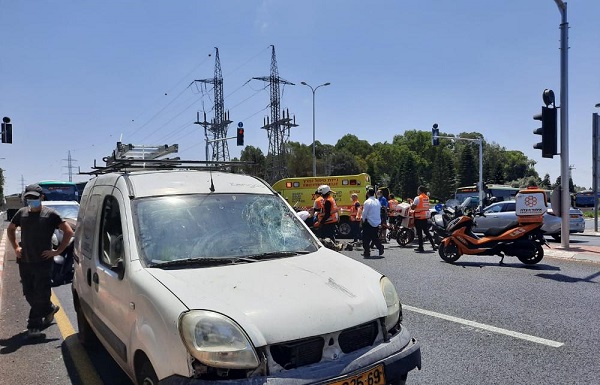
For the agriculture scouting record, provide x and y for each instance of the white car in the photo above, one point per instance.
(196, 276)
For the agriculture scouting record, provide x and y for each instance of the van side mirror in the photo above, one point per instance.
(119, 268)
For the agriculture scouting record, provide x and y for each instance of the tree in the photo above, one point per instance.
(344, 163)
(256, 156)
(546, 184)
(442, 185)
(467, 168)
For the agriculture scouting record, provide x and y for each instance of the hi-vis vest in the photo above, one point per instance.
(333, 215)
(392, 207)
(422, 208)
(354, 211)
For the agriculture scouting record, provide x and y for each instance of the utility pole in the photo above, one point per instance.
(435, 141)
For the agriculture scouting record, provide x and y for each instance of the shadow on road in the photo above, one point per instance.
(14, 343)
(518, 265)
(567, 279)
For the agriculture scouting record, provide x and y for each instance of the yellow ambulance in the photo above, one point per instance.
(300, 193)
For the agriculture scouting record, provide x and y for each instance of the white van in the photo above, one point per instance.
(199, 277)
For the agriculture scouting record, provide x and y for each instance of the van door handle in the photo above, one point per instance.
(96, 279)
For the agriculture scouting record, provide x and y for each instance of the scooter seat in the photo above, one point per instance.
(494, 231)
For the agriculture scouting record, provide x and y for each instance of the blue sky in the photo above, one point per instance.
(79, 75)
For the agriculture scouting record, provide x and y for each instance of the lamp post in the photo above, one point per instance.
(596, 161)
(314, 155)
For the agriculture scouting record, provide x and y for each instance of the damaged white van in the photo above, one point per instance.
(199, 277)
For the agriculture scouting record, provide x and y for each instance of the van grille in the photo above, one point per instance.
(358, 337)
(294, 354)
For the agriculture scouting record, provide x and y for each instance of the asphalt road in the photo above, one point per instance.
(478, 322)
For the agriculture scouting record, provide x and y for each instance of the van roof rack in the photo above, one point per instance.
(129, 157)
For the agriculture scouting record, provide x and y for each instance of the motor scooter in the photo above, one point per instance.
(439, 222)
(523, 241)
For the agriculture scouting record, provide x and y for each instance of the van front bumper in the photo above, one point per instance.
(399, 356)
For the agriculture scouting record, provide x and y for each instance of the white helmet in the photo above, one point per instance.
(323, 189)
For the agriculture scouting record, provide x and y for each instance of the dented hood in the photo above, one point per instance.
(283, 299)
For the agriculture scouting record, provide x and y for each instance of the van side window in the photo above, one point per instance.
(111, 236)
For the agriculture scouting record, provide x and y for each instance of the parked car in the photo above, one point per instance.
(503, 213)
(62, 269)
(194, 276)
(576, 220)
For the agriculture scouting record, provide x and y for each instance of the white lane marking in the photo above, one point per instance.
(478, 325)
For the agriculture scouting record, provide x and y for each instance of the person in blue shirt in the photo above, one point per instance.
(371, 219)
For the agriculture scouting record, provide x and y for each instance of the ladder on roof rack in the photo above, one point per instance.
(127, 157)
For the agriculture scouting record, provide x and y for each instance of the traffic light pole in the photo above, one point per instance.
(480, 142)
(564, 125)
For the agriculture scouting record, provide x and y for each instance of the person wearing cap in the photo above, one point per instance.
(371, 220)
(35, 255)
(328, 217)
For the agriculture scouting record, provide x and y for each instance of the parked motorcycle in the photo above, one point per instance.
(402, 234)
(439, 222)
(523, 241)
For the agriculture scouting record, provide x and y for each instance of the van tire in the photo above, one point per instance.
(145, 374)
(85, 333)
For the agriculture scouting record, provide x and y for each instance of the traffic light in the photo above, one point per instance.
(240, 136)
(435, 133)
(547, 131)
(6, 130)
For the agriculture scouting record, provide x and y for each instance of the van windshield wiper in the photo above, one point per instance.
(192, 261)
(277, 254)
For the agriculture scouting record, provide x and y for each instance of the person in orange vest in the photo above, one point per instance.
(421, 207)
(355, 217)
(314, 211)
(328, 217)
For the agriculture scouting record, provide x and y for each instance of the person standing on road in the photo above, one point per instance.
(421, 207)
(371, 220)
(384, 215)
(355, 217)
(328, 218)
(35, 255)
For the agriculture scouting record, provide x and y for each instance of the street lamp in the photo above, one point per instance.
(313, 143)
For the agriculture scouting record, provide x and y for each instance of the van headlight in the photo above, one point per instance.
(394, 309)
(216, 340)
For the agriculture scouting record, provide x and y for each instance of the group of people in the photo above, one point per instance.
(368, 221)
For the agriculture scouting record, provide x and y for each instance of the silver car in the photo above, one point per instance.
(576, 219)
(503, 213)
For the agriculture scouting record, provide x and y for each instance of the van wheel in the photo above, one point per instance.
(85, 333)
(146, 375)
(344, 229)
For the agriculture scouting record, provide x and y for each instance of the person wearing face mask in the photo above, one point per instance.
(35, 255)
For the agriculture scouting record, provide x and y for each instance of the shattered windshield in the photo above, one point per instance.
(200, 226)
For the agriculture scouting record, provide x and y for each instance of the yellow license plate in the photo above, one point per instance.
(373, 376)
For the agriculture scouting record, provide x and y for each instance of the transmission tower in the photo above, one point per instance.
(70, 166)
(278, 129)
(216, 131)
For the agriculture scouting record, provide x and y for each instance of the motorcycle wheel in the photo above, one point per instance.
(405, 236)
(449, 253)
(536, 255)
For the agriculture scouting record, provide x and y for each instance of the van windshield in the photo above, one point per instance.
(213, 226)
